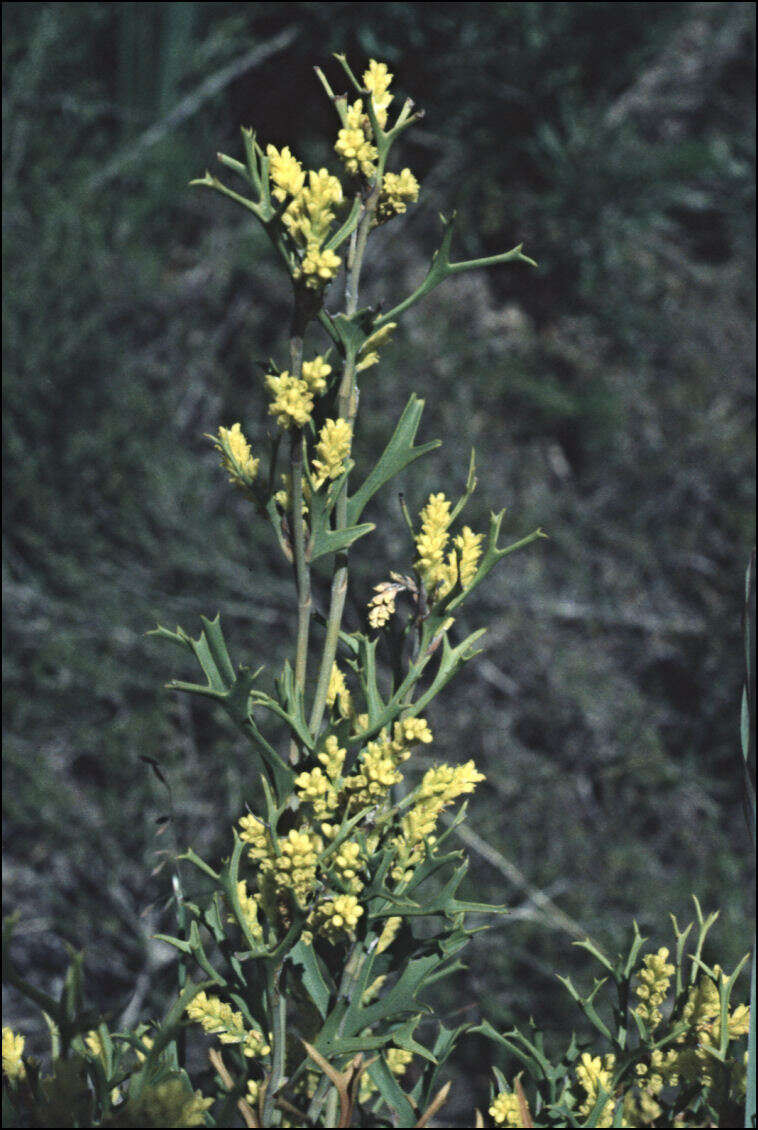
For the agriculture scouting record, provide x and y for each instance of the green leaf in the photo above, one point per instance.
(392, 1093)
(397, 455)
(312, 976)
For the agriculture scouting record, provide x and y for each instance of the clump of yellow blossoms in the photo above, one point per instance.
(398, 191)
(505, 1109)
(13, 1050)
(596, 1075)
(236, 456)
(218, 1018)
(437, 572)
(654, 981)
(315, 373)
(308, 217)
(293, 400)
(332, 449)
(338, 694)
(440, 787)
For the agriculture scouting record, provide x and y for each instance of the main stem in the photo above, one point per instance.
(302, 569)
(348, 406)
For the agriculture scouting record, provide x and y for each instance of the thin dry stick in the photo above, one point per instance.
(214, 1055)
(439, 1100)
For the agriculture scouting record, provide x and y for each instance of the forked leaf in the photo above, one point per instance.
(397, 455)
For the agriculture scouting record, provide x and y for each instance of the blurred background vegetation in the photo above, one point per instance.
(609, 394)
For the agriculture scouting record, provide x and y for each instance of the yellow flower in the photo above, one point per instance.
(332, 757)
(389, 933)
(595, 1075)
(398, 1060)
(295, 868)
(398, 191)
(654, 980)
(353, 143)
(292, 403)
(255, 833)
(236, 456)
(431, 542)
(470, 549)
(376, 774)
(315, 373)
(440, 786)
(13, 1050)
(338, 917)
(332, 449)
(316, 788)
(377, 80)
(505, 1110)
(739, 1022)
(368, 355)
(318, 267)
(338, 692)
(217, 1018)
(250, 904)
(285, 172)
(348, 863)
(381, 607)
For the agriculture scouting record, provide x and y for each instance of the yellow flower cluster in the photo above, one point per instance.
(505, 1109)
(337, 917)
(236, 456)
(309, 215)
(377, 81)
(315, 787)
(295, 869)
(398, 191)
(381, 607)
(338, 693)
(431, 542)
(596, 1074)
(219, 1019)
(440, 787)
(315, 373)
(462, 562)
(293, 400)
(250, 905)
(389, 933)
(348, 864)
(690, 1060)
(654, 981)
(13, 1050)
(353, 145)
(332, 757)
(285, 172)
(332, 449)
(377, 768)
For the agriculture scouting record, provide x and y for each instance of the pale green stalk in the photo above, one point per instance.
(276, 1003)
(347, 406)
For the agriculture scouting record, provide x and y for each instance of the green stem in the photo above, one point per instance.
(348, 407)
(276, 1002)
(302, 569)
